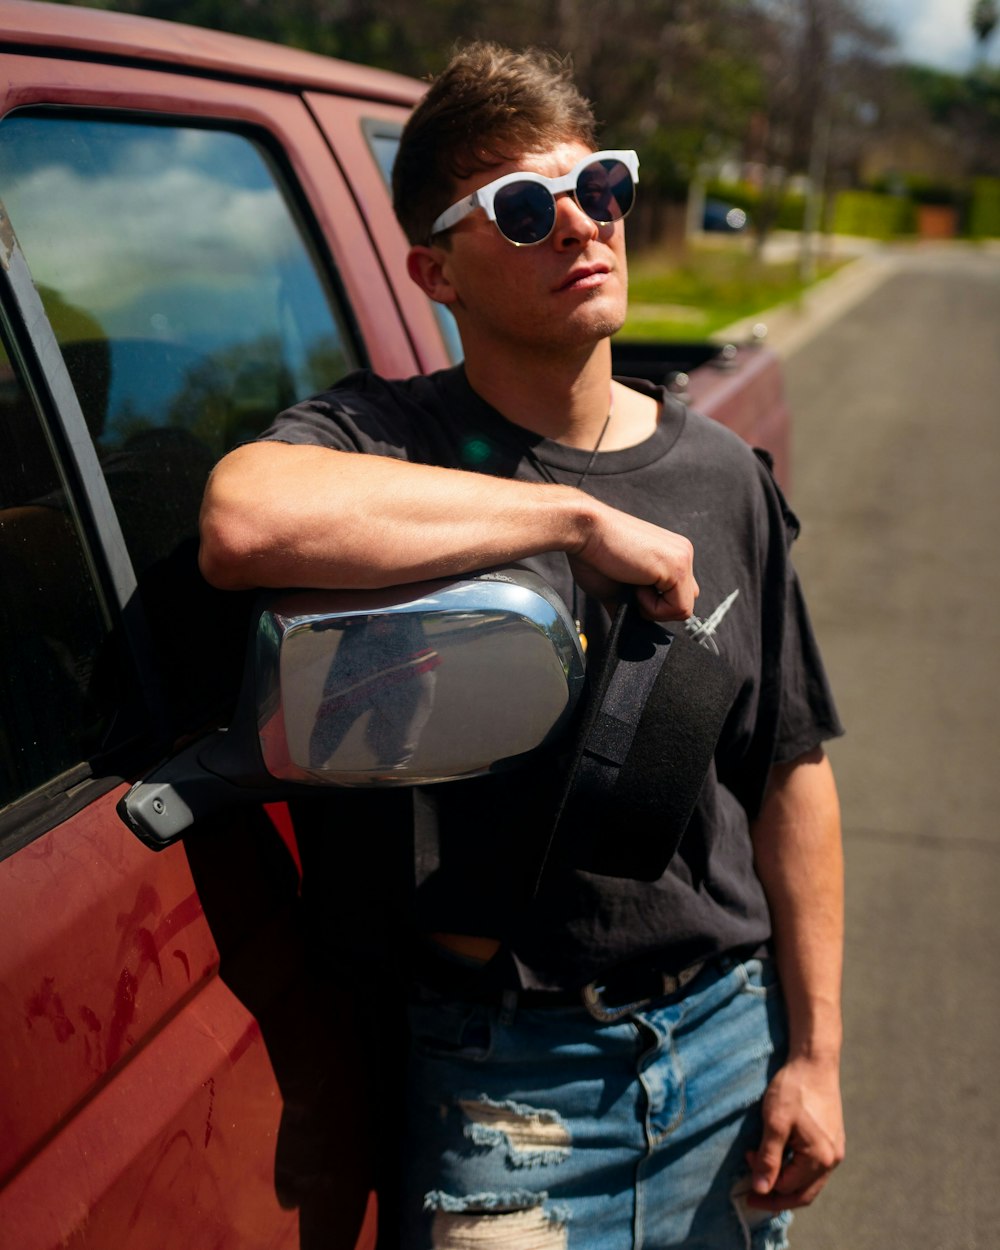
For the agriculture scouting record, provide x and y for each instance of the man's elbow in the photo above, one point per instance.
(223, 561)
(227, 554)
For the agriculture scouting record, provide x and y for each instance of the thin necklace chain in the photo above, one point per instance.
(597, 446)
(547, 473)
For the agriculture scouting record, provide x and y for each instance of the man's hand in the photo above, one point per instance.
(803, 1138)
(622, 550)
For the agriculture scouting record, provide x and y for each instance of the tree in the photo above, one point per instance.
(984, 17)
(821, 61)
(961, 116)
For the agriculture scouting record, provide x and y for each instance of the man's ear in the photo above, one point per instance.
(428, 268)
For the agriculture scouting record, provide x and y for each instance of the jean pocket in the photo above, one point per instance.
(760, 978)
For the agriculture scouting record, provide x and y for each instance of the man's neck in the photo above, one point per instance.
(566, 400)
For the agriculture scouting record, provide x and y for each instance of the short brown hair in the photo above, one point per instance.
(490, 105)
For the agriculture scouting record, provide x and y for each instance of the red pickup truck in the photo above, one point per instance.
(195, 231)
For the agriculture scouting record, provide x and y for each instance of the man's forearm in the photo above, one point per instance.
(799, 859)
(278, 515)
(798, 854)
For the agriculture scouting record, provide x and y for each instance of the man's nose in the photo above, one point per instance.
(573, 226)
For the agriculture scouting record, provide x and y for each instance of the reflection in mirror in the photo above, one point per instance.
(382, 669)
(456, 680)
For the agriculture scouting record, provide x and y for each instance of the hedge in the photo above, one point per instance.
(984, 208)
(791, 213)
(871, 215)
(874, 214)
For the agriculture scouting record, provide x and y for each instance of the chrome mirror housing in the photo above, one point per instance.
(414, 685)
(446, 680)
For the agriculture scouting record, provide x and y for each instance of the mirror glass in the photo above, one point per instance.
(461, 679)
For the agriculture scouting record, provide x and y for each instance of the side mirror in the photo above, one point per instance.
(410, 686)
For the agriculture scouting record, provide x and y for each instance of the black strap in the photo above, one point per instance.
(591, 709)
(652, 717)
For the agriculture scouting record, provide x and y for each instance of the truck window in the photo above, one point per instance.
(383, 139)
(190, 307)
(175, 273)
(58, 680)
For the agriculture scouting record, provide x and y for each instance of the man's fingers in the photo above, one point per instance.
(795, 1187)
(788, 1170)
(676, 603)
(631, 552)
(766, 1162)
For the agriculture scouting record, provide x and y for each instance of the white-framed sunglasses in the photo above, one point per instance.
(522, 205)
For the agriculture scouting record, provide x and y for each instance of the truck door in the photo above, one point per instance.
(169, 1063)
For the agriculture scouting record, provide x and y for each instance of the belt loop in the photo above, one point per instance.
(592, 996)
(508, 1008)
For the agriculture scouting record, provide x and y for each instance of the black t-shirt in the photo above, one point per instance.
(696, 478)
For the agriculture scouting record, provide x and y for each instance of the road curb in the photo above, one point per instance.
(790, 326)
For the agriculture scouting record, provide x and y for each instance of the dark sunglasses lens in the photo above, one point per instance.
(525, 212)
(605, 191)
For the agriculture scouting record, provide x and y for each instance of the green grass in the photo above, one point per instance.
(710, 288)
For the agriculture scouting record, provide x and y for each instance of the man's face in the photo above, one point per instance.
(569, 291)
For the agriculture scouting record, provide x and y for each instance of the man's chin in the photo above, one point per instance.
(602, 315)
(603, 324)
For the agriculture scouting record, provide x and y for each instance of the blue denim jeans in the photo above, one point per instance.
(542, 1129)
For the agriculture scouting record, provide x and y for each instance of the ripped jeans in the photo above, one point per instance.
(542, 1129)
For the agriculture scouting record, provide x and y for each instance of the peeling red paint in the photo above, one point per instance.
(210, 1086)
(186, 912)
(147, 903)
(90, 1019)
(91, 1040)
(145, 944)
(123, 1015)
(148, 942)
(46, 1004)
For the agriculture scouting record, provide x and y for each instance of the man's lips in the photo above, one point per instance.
(584, 278)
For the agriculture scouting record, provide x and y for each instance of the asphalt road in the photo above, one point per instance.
(896, 402)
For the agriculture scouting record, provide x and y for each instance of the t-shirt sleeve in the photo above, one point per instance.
(361, 413)
(807, 714)
(312, 424)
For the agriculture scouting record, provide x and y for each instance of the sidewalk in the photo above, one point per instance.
(789, 326)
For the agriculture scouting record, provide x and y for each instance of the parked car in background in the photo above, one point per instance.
(195, 231)
(723, 217)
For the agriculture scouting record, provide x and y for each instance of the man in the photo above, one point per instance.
(701, 1111)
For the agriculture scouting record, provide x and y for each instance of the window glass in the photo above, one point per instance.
(175, 275)
(57, 676)
(189, 307)
(384, 143)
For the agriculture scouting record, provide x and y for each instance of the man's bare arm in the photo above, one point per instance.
(798, 855)
(281, 515)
